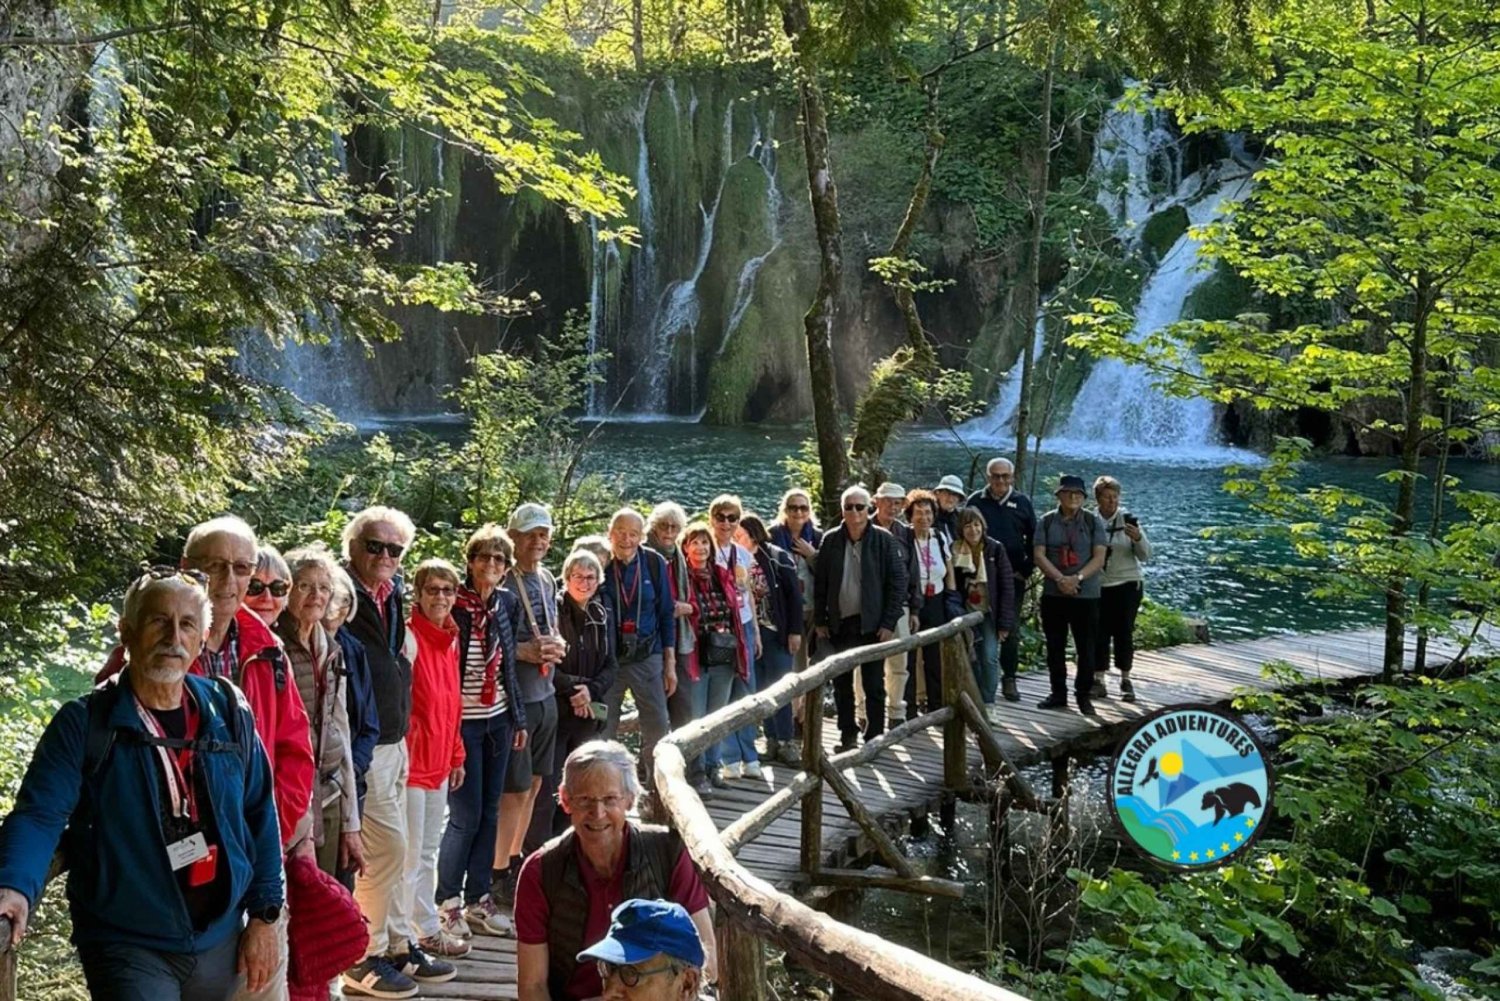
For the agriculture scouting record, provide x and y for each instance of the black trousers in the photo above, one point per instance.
(846, 637)
(1118, 607)
(1061, 614)
(932, 614)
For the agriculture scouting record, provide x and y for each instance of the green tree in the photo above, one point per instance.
(1376, 210)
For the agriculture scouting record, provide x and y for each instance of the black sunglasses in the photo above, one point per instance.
(163, 572)
(798, 507)
(856, 507)
(722, 516)
(374, 547)
(278, 588)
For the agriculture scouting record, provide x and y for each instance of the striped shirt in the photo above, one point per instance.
(473, 681)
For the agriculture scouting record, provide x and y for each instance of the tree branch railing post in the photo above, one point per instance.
(752, 913)
(7, 963)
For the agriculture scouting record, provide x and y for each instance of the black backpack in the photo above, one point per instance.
(100, 738)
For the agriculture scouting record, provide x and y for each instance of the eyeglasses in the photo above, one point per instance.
(258, 587)
(798, 507)
(489, 558)
(586, 804)
(856, 507)
(163, 572)
(374, 547)
(584, 578)
(216, 568)
(727, 518)
(305, 587)
(1001, 476)
(439, 591)
(630, 975)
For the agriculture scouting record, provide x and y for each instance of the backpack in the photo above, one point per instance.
(1093, 520)
(100, 738)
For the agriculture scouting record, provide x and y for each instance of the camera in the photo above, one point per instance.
(1131, 519)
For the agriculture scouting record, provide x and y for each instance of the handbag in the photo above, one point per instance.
(718, 648)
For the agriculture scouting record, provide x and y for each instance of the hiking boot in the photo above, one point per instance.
(1127, 690)
(1099, 690)
(847, 743)
(716, 778)
(451, 919)
(1086, 706)
(1053, 702)
(486, 918)
(375, 977)
(443, 944)
(503, 886)
(1008, 690)
(704, 789)
(422, 968)
(790, 754)
(751, 770)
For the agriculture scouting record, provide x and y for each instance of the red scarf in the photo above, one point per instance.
(468, 599)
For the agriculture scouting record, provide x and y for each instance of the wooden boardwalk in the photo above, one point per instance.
(907, 780)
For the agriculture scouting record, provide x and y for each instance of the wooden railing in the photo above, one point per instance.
(752, 912)
(7, 963)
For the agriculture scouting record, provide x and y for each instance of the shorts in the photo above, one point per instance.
(536, 758)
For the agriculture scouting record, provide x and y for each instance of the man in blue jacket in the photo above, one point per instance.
(159, 791)
(1010, 520)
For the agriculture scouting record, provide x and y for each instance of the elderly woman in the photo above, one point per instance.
(364, 724)
(719, 657)
(567, 889)
(587, 673)
(317, 668)
(663, 529)
(932, 562)
(739, 754)
(796, 530)
(494, 722)
(986, 583)
(266, 595)
(434, 742)
(778, 612)
(1121, 587)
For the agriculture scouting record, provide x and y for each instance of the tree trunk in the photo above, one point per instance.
(638, 35)
(895, 397)
(1038, 206)
(818, 322)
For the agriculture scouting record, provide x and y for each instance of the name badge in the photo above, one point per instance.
(191, 849)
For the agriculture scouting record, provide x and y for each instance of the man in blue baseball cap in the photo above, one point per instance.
(651, 952)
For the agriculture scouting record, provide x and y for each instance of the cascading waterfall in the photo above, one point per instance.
(644, 284)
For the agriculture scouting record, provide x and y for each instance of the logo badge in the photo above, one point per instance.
(1191, 787)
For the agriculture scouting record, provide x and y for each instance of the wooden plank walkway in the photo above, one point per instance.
(906, 781)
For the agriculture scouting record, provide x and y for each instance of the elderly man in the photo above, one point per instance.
(890, 500)
(374, 542)
(859, 594)
(1010, 520)
(539, 649)
(587, 870)
(157, 787)
(637, 588)
(240, 648)
(652, 953)
(1070, 548)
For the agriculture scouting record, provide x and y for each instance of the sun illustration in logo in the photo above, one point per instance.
(1190, 786)
(1171, 764)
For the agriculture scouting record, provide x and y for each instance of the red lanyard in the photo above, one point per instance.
(926, 554)
(177, 764)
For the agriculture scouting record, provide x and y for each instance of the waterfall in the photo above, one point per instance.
(1137, 165)
(763, 152)
(644, 280)
(604, 256)
(1120, 410)
(1000, 420)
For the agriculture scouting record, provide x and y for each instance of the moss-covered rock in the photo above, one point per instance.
(1222, 296)
(1164, 229)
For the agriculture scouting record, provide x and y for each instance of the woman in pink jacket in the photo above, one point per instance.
(436, 751)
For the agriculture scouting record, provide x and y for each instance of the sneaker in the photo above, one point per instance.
(1053, 702)
(487, 919)
(451, 919)
(716, 778)
(377, 978)
(503, 886)
(789, 754)
(750, 769)
(847, 744)
(1086, 706)
(705, 789)
(443, 944)
(1008, 690)
(422, 968)
(1127, 690)
(1100, 690)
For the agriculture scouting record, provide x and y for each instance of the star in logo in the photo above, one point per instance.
(1249, 821)
(1192, 856)
(1224, 847)
(1209, 853)
(1238, 836)
(1176, 855)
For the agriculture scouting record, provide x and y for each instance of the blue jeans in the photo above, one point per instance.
(987, 658)
(715, 692)
(774, 664)
(468, 846)
(119, 972)
(740, 745)
(684, 705)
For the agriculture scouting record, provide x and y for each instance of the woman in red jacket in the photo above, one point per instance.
(435, 745)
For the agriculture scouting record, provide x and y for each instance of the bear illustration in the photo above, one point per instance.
(1231, 799)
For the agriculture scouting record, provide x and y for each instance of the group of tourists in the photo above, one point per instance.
(296, 760)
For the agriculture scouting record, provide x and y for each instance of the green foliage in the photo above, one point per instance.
(1160, 626)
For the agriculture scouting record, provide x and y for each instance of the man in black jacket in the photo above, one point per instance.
(859, 587)
(1010, 520)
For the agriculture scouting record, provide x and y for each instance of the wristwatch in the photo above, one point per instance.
(267, 914)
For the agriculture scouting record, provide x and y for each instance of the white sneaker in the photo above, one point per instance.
(487, 919)
(451, 919)
(750, 769)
